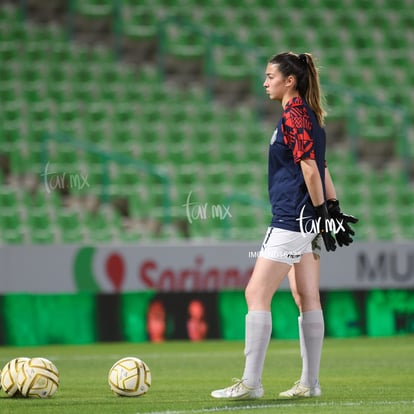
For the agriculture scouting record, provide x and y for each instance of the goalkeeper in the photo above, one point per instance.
(302, 197)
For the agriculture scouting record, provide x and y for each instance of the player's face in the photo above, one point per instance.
(275, 82)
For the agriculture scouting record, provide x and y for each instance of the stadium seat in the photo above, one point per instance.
(139, 23)
(94, 8)
(231, 64)
(96, 227)
(12, 231)
(39, 225)
(185, 43)
(213, 18)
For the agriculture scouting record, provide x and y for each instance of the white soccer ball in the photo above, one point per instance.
(9, 376)
(129, 377)
(39, 378)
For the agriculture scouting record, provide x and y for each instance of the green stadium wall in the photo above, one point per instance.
(81, 318)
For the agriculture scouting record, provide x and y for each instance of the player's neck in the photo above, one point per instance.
(289, 96)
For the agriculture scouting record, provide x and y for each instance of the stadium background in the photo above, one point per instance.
(115, 116)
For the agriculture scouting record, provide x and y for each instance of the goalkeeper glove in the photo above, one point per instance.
(324, 230)
(343, 235)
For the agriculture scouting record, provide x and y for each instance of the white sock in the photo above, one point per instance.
(257, 337)
(301, 344)
(313, 330)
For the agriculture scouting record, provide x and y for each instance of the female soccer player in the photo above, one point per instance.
(299, 185)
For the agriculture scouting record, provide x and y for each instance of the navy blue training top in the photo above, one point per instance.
(298, 136)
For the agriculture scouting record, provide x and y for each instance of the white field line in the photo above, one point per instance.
(282, 404)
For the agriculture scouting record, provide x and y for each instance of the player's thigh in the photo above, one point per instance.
(266, 278)
(292, 285)
(307, 275)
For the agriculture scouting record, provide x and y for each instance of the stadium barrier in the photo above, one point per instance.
(83, 294)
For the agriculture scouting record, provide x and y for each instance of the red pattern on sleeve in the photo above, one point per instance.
(296, 128)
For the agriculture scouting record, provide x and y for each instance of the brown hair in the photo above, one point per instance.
(307, 79)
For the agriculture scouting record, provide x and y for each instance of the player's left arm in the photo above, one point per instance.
(312, 180)
(297, 134)
(329, 186)
(314, 186)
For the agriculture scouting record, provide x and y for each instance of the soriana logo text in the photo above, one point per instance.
(114, 271)
(195, 277)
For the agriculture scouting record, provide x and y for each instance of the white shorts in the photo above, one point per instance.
(288, 246)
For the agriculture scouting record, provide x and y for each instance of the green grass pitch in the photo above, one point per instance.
(358, 375)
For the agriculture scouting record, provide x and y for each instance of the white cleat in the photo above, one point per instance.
(239, 391)
(299, 390)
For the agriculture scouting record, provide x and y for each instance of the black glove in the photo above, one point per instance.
(324, 230)
(344, 230)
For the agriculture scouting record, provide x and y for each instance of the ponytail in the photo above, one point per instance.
(307, 79)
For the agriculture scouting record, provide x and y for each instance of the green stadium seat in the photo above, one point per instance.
(14, 31)
(10, 14)
(11, 228)
(405, 20)
(406, 229)
(265, 43)
(129, 236)
(13, 238)
(12, 112)
(8, 92)
(151, 154)
(97, 229)
(405, 219)
(62, 58)
(213, 18)
(185, 42)
(376, 124)
(231, 64)
(404, 195)
(384, 232)
(362, 38)
(9, 199)
(156, 4)
(139, 205)
(330, 43)
(337, 105)
(352, 201)
(39, 225)
(36, 201)
(139, 22)
(397, 40)
(42, 236)
(94, 8)
(239, 19)
(67, 114)
(17, 163)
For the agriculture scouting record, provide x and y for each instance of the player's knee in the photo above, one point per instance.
(257, 298)
(309, 301)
